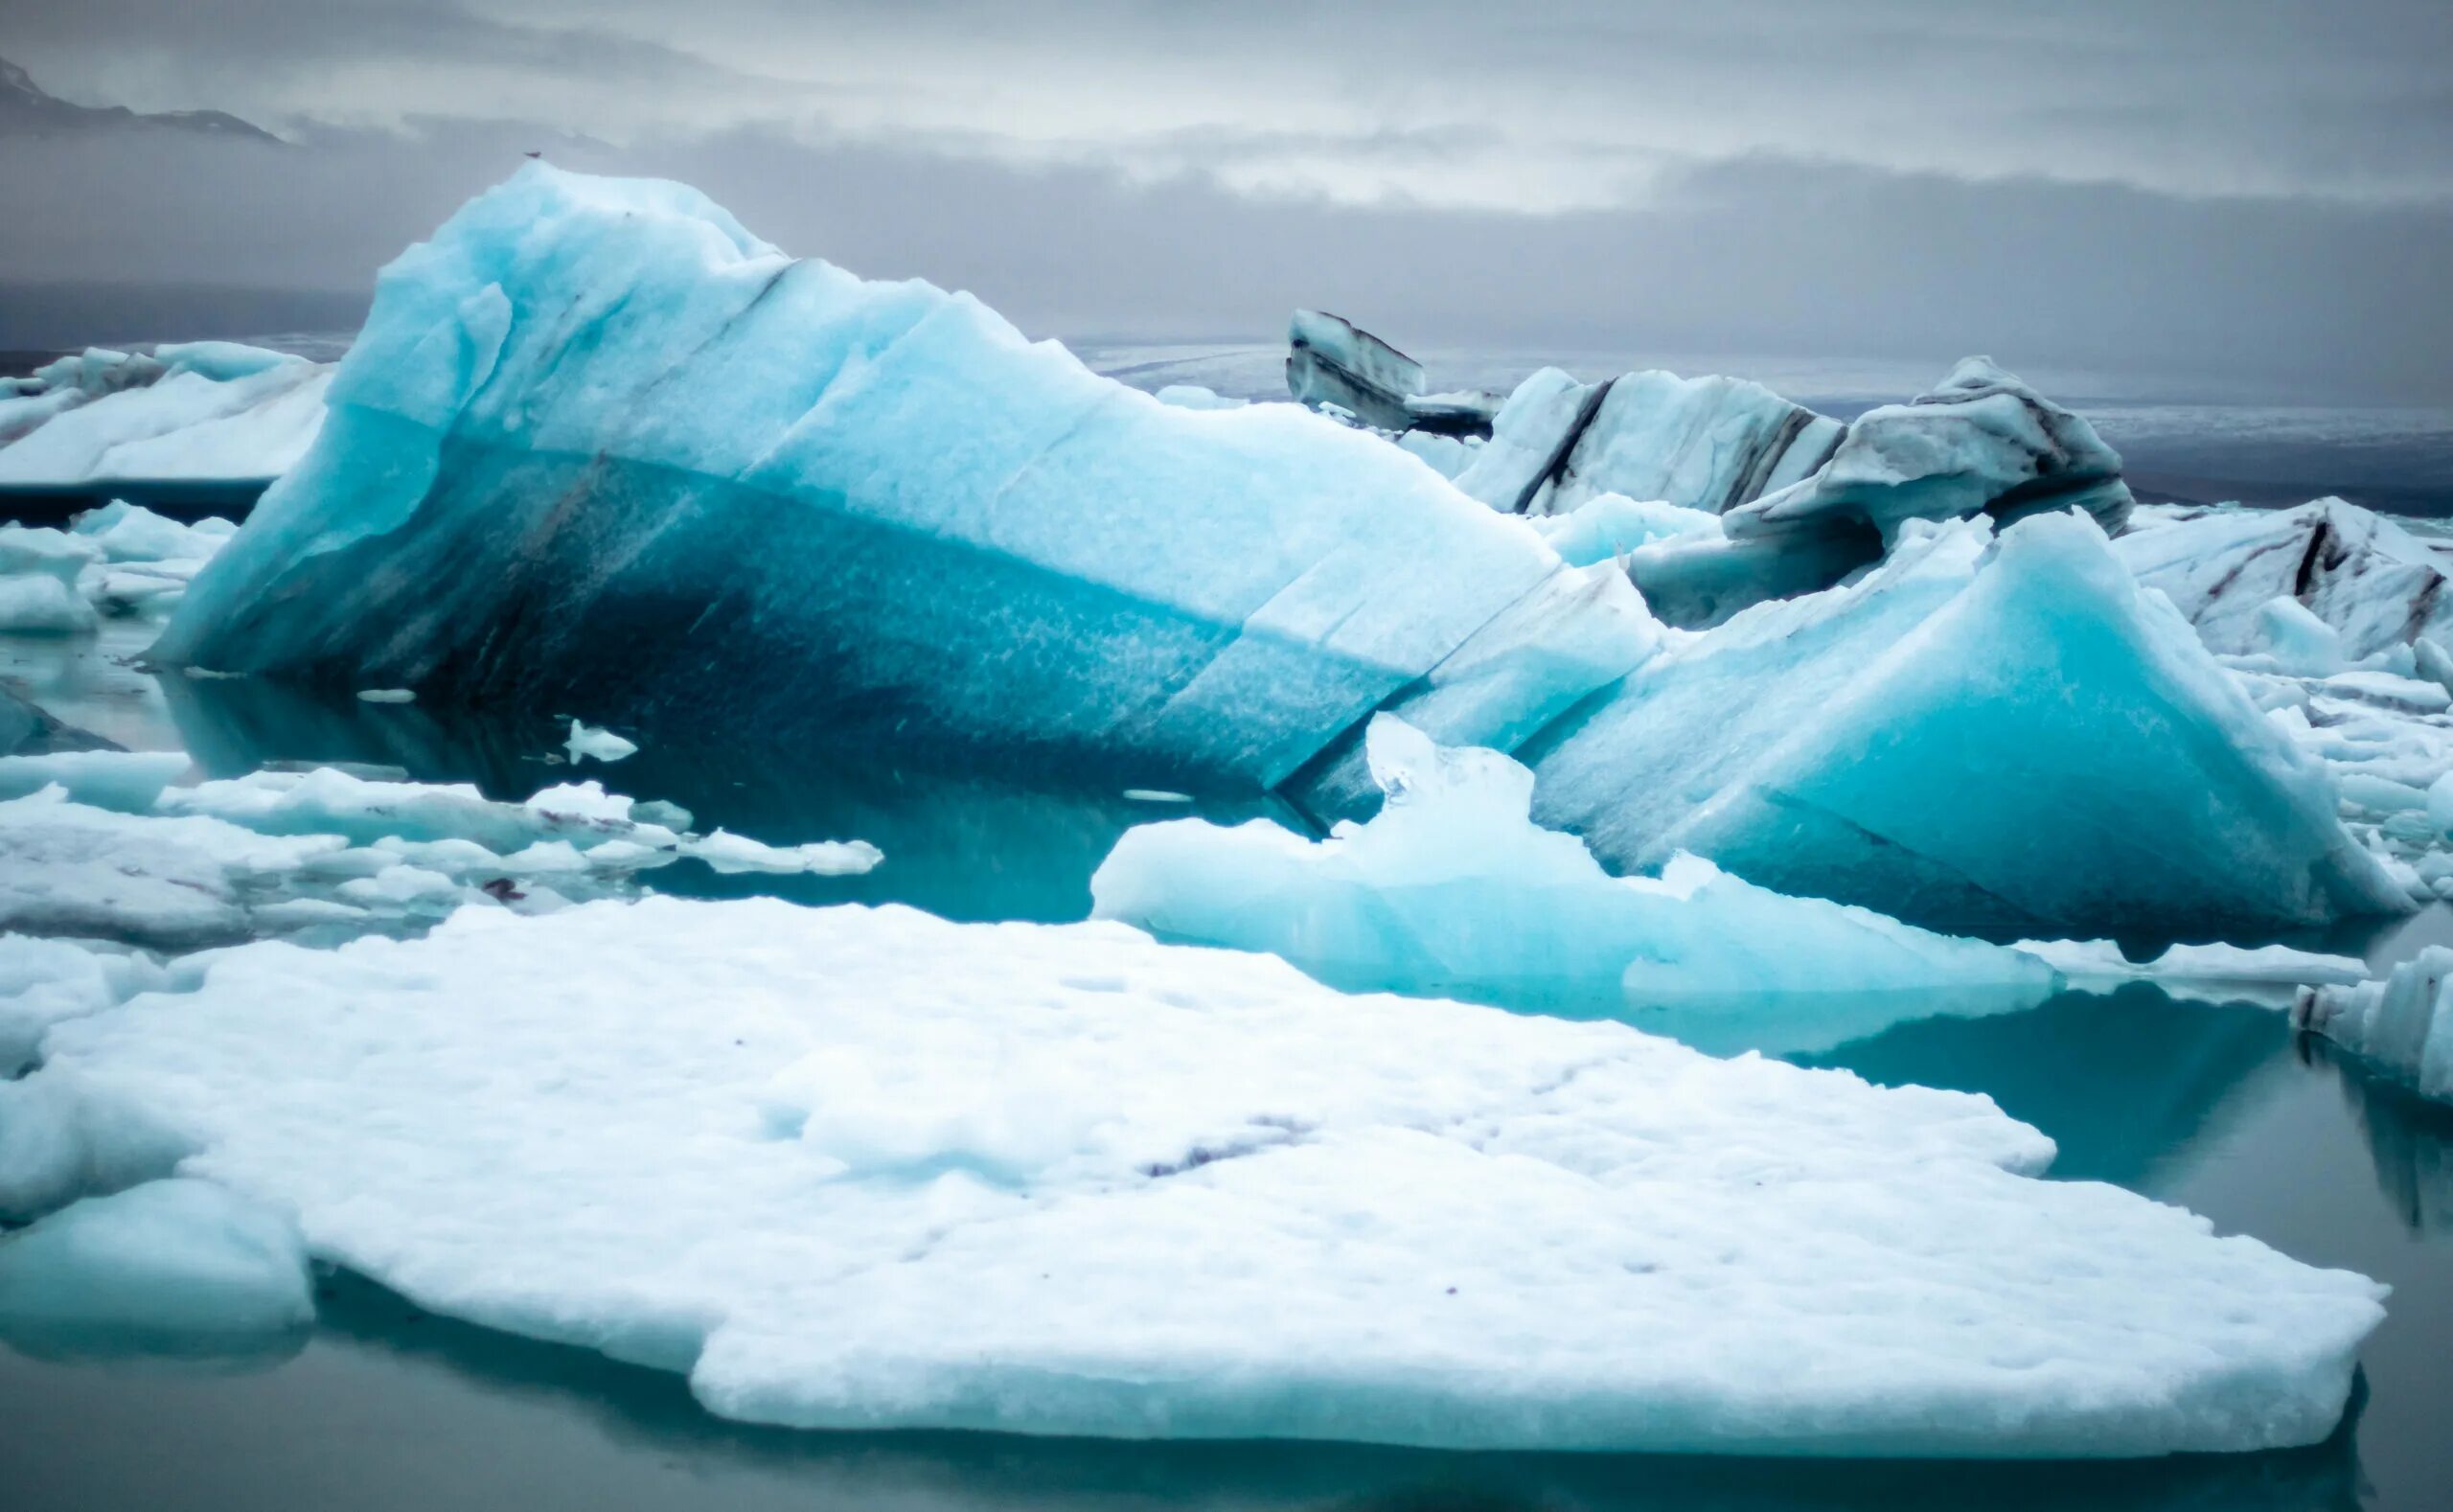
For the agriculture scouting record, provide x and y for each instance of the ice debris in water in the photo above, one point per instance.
(118, 559)
(1068, 566)
(174, 1267)
(894, 1172)
(1452, 888)
(2006, 733)
(587, 740)
(387, 696)
(2403, 1025)
(103, 846)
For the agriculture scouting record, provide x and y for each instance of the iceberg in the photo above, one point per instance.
(1452, 889)
(1708, 443)
(2373, 583)
(1332, 362)
(1979, 441)
(173, 1267)
(2401, 1025)
(894, 1172)
(209, 412)
(1982, 734)
(600, 449)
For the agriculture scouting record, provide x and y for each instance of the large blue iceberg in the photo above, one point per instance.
(602, 452)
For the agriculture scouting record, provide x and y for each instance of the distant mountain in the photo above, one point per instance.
(26, 111)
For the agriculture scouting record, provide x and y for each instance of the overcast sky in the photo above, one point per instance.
(2255, 191)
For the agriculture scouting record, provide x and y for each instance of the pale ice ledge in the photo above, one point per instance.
(856, 1168)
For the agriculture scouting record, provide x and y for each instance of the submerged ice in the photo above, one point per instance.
(888, 1171)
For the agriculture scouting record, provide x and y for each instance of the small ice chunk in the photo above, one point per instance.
(727, 852)
(1155, 795)
(387, 696)
(40, 605)
(45, 981)
(587, 740)
(177, 1266)
(2402, 1024)
(2300, 644)
(1611, 525)
(126, 781)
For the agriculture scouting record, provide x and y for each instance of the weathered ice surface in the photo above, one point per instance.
(1708, 443)
(1330, 360)
(1981, 734)
(1981, 441)
(2376, 585)
(2403, 1025)
(601, 451)
(864, 1168)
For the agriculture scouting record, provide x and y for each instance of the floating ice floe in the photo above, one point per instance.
(211, 412)
(44, 981)
(587, 740)
(1451, 888)
(2222, 971)
(2005, 733)
(118, 559)
(172, 1267)
(2403, 1025)
(976, 539)
(888, 1171)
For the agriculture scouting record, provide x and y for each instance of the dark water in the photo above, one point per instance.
(2213, 1107)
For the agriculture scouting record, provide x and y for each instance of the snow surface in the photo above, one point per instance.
(865, 1168)
(2403, 1025)
(707, 472)
(1452, 888)
(1998, 732)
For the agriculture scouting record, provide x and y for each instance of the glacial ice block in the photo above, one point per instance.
(1708, 443)
(1981, 734)
(2376, 585)
(1979, 440)
(601, 451)
(1331, 360)
(2401, 1025)
(888, 1171)
(1451, 888)
(172, 1267)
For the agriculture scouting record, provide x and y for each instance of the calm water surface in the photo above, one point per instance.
(2213, 1107)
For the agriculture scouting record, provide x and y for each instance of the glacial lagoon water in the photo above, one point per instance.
(2216, 1106)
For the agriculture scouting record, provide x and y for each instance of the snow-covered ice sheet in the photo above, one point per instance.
(864, 1168)
(600, 449)
(1451, 888)
(171, 1266)
(2402, 1024)
(2004, 733)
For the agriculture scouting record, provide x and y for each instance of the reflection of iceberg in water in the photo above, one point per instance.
(2410, 1138)
(2116, 1117)
(963, 845)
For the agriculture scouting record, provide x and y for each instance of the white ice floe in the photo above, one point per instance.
(201, 412)
(180, 1267)
(2005, 732)
(2403, 1025)
(2199, 971)
(118, 559)
(44, 981)
(865, 1168)
(1452, 888)
(587, 740)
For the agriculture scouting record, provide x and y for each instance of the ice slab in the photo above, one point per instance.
(2376, 585)
(893, 1172)
(2401, 1025)
(589, 740)
(1997, 734)
(600, 449)
(1330, 360)
(1979, 441)
(44, 981)
(173, 1267)
(1452, 888)
(2220, 973)
(1708, 443)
